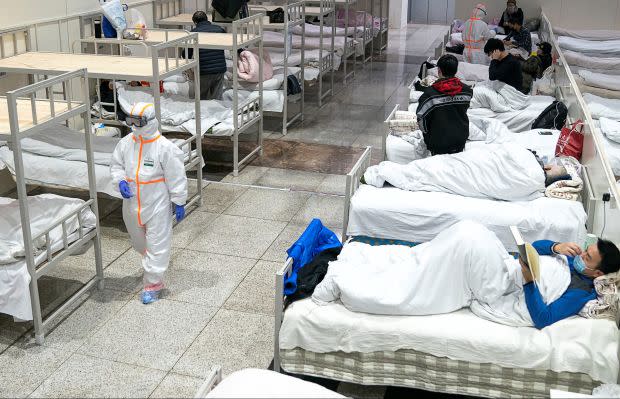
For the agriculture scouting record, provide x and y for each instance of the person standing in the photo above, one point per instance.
(512, 11)
(504, 66)
(442, 110)
(475, 34)
(148, 171)
(212, 62)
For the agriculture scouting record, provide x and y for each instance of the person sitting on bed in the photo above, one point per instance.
(545, 57)
(512, 11)
(442, 110)
(519, 39)
(466, 265)
(504, 66)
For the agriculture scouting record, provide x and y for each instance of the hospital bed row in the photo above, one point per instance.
(38, 232)
(429, 352)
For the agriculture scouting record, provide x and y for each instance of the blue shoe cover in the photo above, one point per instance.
(150, 296)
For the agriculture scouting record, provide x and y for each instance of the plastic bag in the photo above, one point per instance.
(113, 11)
(136, 25)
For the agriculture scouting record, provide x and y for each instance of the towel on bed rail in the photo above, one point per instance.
(498, 97)
(496, 171)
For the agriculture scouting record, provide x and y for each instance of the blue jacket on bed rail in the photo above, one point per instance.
(314, 240)
(579, 292)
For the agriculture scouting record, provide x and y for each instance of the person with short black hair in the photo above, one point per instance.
(212, 62)
(544, 55)
(512, 11)
(504, 66)
(442, 110)
(520, 37)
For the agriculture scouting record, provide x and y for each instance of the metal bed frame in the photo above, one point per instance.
(384, 26)
(244, 33)
(349, 46)
(172, 65)
(170, 14)
(294, 15)
(17, 133)
(324, 10)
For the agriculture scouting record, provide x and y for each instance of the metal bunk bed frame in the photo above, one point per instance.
(170, 68)
(73, 109)
(325, 9)
(294, 15)
(349, 47)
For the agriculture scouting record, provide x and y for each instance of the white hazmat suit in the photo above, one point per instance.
(475, 35)
(153, 167)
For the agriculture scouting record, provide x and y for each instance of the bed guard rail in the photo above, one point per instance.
(166, 9)
(353, 182)
(247, 31)
(325, 7)
(58, 109)
(213, 378)
(293, 13)
(179, 61)
(14, 42)
(281, 274)
(386, 130)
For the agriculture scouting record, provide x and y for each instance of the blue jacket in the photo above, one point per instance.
(579, 292)
(314, 240)
(211, 61)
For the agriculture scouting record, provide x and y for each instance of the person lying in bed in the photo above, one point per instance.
(442, 110)
(466, 265)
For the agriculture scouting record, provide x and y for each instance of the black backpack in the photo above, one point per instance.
(292, 85)
(227, 8)
(553, 117)
(276, 16)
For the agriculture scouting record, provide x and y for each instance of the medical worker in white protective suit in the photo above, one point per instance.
(475, 35)
(149, 173)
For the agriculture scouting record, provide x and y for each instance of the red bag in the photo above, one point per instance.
(570, 142)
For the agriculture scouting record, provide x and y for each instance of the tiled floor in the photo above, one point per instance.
(218, 308)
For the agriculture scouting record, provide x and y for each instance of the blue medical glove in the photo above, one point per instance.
(179, 211)
(125, 190)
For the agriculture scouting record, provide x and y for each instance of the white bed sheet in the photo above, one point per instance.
(467, 72)
(612, 150)
(391, 213)
(276, 39)
(593, 48)
(574, 345)
(14, 276)
(517, 121)
(602, 107)
(592, 63)
(457, 38)
(603, 81)
(592, 34)
(256, 383)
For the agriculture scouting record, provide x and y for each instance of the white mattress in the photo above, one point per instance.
(594, 48)
(602, 107)
(312, 30)
(592, 34)
(517, 121)
(592, 63)
(276, 39)
(603, 81)
(391, 213)
(573, 345)
(256, 383)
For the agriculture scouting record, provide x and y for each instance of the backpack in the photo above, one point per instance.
(553, 117)
(292, 85)
(276, 16)
(227, 8)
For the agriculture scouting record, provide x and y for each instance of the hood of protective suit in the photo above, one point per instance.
(147, 132)
(480, 11)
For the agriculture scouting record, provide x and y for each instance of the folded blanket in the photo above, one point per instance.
(601, 107)
(505, 172)
(611, 129)
(567, 189)
(248, 66)
(498, 97)
(605, 306)
(601, 80)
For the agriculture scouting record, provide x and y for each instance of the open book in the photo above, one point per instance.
(527, 253)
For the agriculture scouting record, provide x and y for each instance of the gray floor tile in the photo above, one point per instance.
(277, 250)
(327, 208)
(77, 323)
(125, 273)
(204, 278)
(256, 292)
(365, 140)
(217, 197)
(189, 228)
(177, 386)
(89, 377)
(22, 370)
(248, 175)
(238, 236)
(10, 331)
(80, 268)
(291, 179)
(154, 335)
(268, 204)
(333, 184)
(234, 340)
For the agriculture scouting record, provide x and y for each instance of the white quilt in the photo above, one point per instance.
(498, 97)
(592, 63)
(601, 48)
(519, 120)
(276, 39)
(505, 172)
(575, 345)
(598, 34)
(604, 81)
(456, 38)
(392, 213)
(467, 71)
(602, 107)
